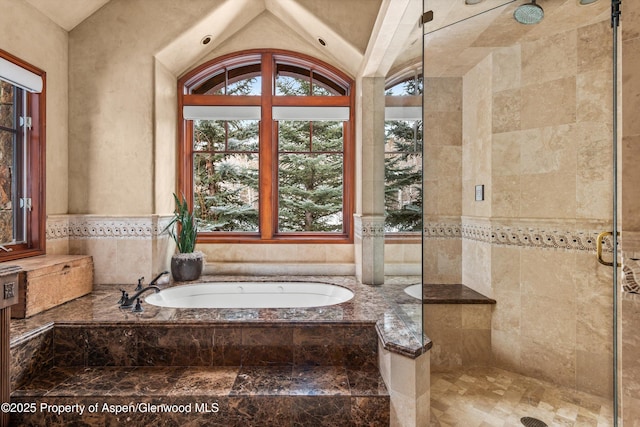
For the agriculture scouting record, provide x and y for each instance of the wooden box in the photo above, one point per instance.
(8, 285)
(50, 280)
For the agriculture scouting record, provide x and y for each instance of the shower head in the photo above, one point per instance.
(528, 13)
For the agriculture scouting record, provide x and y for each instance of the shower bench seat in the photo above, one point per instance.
(453, 294)
(457, 319)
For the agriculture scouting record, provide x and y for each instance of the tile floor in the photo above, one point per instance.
(483, 397)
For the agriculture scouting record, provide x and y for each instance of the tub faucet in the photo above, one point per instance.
(128, 302)
(153, 282)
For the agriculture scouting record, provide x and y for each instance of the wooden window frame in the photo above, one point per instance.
(35, 176)
(268, 152)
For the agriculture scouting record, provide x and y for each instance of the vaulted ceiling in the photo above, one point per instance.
(457, 38)
(68, 13)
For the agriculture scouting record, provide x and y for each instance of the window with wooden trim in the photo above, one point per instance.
(267, 148)
(22, 155)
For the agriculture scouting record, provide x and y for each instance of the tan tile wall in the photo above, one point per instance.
(461, 335)
(123, 248)
(630, 371)
(630, 204)
(443, 158)
(443, 146)
(536, 133)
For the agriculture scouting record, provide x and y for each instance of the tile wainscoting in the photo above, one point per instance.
(123, 248)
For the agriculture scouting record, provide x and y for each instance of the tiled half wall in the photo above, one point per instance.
(123, 248)
(126, 248)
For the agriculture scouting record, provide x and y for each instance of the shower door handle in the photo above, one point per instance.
(599, 241)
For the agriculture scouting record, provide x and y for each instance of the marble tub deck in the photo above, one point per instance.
(311, 366)
(368, 306)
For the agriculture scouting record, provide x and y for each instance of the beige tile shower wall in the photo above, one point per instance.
(551, 120)
(442, 260)
(442, 146)
(32, 37)
(443, 157)
(476, 170)
(630, 206)
(476, 138)
(546, 165)
(630, 370)
(553, 319)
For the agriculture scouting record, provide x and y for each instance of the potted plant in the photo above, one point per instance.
(187, 263)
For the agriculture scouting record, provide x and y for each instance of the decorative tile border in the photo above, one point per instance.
(57, 227)
(631, 262)
(368, 227)
(100, 227)
(442, 230)
(526, 234)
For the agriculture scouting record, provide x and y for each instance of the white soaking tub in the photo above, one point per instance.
(251, 295)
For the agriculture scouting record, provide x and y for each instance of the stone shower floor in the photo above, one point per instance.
(483, 397)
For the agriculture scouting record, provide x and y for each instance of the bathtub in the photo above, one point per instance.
(414, 290)
(251, 295)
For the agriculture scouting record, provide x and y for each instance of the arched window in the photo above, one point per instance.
(266, 148)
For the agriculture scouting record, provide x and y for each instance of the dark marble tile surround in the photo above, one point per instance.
(217, 396)
(275, 367)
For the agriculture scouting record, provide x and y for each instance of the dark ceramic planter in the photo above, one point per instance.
(186, 267)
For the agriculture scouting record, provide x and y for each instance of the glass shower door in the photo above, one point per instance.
(517, 183)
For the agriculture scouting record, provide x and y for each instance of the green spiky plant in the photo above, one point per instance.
(183, 228)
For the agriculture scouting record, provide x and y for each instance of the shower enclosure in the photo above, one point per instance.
(518, 181)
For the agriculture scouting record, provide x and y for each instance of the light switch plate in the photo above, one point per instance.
(479, 193)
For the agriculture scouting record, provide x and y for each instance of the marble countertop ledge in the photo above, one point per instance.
(368, 306)
(453, 294)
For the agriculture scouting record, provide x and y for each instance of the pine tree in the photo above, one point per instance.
(310, 177)
(402, 177)
(226, 173)
(310, 171)
(310, 168)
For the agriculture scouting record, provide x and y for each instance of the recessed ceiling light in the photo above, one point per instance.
(321, 41)
(472, 1)
(206, 40)
(585, 2)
